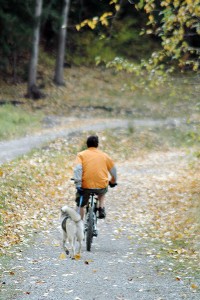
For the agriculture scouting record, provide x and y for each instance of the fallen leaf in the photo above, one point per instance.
(88, 261)
(77, 256)
(40, 282)
(62, 256)
(178, 278)
(12, 273)
(68, 292)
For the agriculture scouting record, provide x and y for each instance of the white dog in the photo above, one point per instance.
(73, 229)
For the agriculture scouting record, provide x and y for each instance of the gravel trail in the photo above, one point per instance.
(114, 269)
(14, 148)
(117, 268)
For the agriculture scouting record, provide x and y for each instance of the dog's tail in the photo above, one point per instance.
(71, 212)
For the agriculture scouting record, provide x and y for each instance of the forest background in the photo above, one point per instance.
(143, 56)
(116, 33)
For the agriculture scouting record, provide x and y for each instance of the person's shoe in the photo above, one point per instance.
(102, 213)
(95, 232)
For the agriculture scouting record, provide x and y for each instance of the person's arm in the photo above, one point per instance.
(78, 172)
(113, 173)
(112, 170)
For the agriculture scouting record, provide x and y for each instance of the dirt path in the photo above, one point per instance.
(120, 266)
(69, 126)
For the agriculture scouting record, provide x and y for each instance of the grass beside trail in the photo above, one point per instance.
(15, 122)
(91, 92)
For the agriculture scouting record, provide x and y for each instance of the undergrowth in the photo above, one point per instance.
(102, 92)
(15, 122)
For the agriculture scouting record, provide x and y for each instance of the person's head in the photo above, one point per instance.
(92, 141)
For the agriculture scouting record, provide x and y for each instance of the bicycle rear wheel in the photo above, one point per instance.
(89, 232)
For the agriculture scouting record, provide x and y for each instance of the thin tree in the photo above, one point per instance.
(33, 91)
(59, 74)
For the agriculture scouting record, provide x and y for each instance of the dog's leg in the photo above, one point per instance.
(64, 243)
(74, 246)
(80, 235)
(80, 247)
(71, 242)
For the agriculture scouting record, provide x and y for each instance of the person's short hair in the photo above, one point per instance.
(93, 141)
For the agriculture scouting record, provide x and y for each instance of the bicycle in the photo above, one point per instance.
(91, 217)
(91, 220)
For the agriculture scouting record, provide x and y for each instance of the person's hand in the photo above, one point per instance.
(112, 184)
(80, 190)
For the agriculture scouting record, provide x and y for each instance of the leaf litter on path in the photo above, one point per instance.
(153, 205)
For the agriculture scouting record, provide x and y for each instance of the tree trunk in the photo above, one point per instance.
(32, 76)
(59, 76)
(15, 66)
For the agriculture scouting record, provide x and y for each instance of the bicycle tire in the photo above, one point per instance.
(89, 232)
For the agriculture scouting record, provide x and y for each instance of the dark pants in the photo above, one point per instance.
(86, 195)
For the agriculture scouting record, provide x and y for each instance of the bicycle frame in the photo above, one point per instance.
(91, 220)
(92, 202)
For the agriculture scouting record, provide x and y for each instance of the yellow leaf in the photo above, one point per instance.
(35, 225)
(117, 7)
(194, 286)
(1, 173)
(62, 256)
(78, 27)
(189, 1)
(91, 24)
(149, 31)
(103, 18)
(77, 256)
(197, 11)
(151, 18)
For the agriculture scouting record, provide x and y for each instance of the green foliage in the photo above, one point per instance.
(15, 31)
(15, 122)
(122, 40)
(127, 41)
(46, 59)
(88, 46)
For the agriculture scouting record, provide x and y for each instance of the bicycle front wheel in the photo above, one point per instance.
(89, 232)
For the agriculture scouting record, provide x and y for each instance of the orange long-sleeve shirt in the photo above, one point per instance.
(92, 169)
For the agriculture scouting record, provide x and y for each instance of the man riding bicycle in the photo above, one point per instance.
(91, 174)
